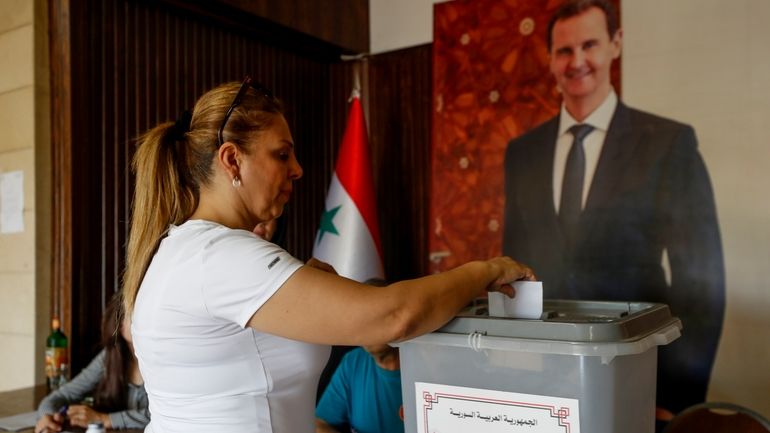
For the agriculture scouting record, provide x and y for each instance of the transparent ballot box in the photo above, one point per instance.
(582, 367)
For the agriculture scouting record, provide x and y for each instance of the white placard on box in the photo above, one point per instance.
(454, 409)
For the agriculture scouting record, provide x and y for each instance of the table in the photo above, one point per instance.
(21, 400)
(27, 399)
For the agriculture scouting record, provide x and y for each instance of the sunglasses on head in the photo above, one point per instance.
(247, 82)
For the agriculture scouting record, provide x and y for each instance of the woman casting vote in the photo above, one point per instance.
(231, 331)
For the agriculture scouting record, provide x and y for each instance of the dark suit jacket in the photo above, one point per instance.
(650, 192)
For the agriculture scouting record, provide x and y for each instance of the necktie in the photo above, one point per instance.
(570, 204)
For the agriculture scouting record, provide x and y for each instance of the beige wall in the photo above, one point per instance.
(396, 24)
(707, 63)
(24, 257)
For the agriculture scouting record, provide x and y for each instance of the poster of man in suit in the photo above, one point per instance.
(640, 222)
(645, 190)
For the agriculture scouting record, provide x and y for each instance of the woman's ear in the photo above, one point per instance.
(229, 156)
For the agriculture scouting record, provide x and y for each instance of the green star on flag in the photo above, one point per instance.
(327, 223)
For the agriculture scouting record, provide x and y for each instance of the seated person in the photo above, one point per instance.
(364, 394)
(112, 378)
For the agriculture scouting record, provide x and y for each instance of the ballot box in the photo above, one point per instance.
(583, 367)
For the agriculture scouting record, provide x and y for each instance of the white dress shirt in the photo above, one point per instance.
(592, 144)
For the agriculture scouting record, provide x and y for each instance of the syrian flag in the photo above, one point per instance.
(349, 236)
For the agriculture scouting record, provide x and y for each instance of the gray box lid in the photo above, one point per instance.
(570, 321)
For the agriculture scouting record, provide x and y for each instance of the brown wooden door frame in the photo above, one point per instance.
(61, 161)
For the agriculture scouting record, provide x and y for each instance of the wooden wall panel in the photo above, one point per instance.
(345, 24)
(135, 64)
(122, 66)
(399, 106)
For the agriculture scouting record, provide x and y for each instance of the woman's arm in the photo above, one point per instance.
(137, 416)
(320, 307)
(134, 418)
(76, 389)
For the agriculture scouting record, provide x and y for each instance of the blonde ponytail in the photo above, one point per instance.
(161, 197)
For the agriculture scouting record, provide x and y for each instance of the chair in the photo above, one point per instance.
(712, 417)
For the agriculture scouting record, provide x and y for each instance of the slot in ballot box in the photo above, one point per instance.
(584, 366)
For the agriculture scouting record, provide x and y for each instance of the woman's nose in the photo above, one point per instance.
(295, 171)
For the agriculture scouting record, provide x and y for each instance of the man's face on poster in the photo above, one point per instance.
(581, 55)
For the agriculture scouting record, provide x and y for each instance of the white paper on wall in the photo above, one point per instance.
(12, 202)
(454, 409)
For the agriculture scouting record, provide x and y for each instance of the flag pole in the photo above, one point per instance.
(360, 78)
(356, 92)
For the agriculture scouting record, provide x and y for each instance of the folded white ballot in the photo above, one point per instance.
(527, 304)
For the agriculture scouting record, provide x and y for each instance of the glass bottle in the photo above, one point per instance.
(56, 363)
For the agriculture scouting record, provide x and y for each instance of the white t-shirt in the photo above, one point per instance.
(203, 369)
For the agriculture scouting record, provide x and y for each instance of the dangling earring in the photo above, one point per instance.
(236, 182)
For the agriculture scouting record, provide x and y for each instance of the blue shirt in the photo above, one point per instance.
(362, 396)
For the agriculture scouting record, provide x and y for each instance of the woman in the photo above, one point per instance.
(112, 379)
(229, 329)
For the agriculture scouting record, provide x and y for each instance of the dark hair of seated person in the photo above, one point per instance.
(110, 393)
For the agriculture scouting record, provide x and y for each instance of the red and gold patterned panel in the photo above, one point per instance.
(491, 83)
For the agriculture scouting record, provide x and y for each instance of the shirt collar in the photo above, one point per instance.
(599, 119)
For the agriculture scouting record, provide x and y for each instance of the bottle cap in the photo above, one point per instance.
(95, 427)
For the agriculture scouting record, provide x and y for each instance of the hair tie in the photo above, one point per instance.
(182, 125)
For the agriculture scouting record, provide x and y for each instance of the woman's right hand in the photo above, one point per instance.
(508, 271)
(49, 423)
(81, 415)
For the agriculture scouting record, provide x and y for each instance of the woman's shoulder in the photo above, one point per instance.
(211, 235)
(233, 254)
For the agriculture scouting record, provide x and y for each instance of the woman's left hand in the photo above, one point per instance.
(80, 415)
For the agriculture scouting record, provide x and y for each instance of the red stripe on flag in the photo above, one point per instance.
(354, 170)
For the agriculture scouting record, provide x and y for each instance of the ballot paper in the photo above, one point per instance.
(18, 422)
(527, 304)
